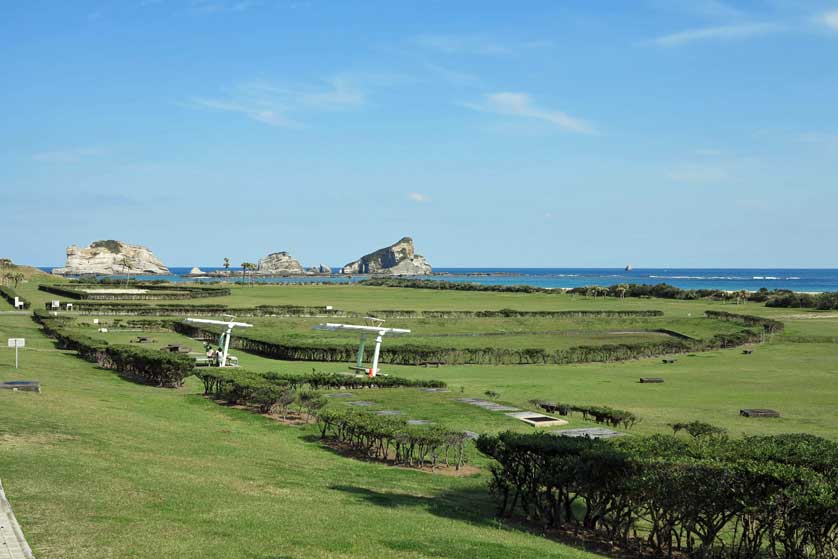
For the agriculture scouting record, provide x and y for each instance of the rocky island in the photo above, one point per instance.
(110, 258)
(279, 263)
(396, 259)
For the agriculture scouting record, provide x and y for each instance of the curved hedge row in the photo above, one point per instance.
(773, 496)
(180, 292)
(146, 365)
(220, 380)
(768, 325)
(9, 295)
(416, 354)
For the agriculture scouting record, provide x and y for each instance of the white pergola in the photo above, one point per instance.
(376, 329)
(225, 336)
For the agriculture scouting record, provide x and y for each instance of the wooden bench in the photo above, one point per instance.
(649, 380)
(758, 412)
(174, 348)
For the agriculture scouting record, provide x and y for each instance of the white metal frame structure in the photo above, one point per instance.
(225, 336)
(376, 329)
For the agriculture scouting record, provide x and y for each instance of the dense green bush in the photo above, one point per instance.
(391, 438)
(9, 295)
(146, 365)
(748, 498)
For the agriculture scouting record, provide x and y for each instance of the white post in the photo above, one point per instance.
(16, 350)
(226, 346)
(374, 370)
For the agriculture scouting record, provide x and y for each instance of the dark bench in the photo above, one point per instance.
(174, 348)
(758, 412)
(647, 380)
(747, 351)
(669, 360)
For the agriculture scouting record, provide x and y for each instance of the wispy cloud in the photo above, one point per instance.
(483, 45)
(719, 33)
(830, 19)
(703, 8)
(272, 105)
(72, 155)
(418, 197)
(521, 105)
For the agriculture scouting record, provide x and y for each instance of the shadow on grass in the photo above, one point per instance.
(472, 504)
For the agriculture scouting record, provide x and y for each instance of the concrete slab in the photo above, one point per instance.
(361, 403)
(12, 542)
(388, 412)
(435, 390)
(340, 395)
(537, 419)
(419, 422)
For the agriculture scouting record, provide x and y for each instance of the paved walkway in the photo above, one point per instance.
(12, 543)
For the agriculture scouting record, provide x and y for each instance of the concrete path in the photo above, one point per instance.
(12, 543)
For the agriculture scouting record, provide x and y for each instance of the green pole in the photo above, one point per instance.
(360, 362)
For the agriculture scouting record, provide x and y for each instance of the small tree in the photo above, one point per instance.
(227, 266)
(18, 277)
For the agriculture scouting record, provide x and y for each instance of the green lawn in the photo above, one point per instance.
(98, 466)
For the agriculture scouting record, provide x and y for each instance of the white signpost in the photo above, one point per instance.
(17, 343)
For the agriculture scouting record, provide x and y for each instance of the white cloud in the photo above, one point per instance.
(418, 197)
(830, 19)
(520, 104)
(73, 155)
(272, 105)
(723, 32)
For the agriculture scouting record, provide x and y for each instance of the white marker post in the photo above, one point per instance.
(17, 343)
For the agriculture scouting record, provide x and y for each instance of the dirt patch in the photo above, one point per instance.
(441, 469)
(33, 439)
(293, 417)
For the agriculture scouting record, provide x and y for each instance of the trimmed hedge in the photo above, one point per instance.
(772, 496)
(9, 295)
(146, 365)
(416, 354)
(218, 381)
(392, 439)
(600, 414)
(176, 292)
(768, 325)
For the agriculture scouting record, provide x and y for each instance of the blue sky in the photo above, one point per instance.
(681, 133)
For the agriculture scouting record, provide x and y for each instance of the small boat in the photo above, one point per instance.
(629, 268)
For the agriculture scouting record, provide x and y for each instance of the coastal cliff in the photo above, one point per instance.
(110, 258)
(279, 263)
(396, 259)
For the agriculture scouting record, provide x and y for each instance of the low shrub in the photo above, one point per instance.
(392, 439)
(9, 295)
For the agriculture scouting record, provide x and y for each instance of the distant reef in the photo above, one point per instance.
(396, 259)
(111, 258)
(279, 263)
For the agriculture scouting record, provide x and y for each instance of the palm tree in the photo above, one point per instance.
(244, 270)
(227, 266)
(621, 290)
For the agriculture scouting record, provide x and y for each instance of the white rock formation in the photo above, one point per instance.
(111, 258)
(396, 259)
(320, 269)
(279, 263)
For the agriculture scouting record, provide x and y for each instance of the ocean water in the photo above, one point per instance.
(751, 279)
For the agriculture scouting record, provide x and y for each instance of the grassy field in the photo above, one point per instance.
(98, 466)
